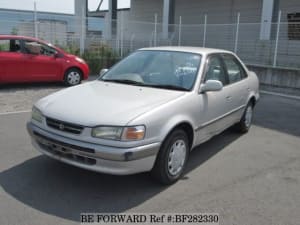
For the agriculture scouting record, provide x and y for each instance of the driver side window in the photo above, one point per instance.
(215, 70)
(36, 48)
(32, 47)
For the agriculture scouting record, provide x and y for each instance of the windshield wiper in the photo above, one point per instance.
(124, 81)
(168, 86)
(133, 82)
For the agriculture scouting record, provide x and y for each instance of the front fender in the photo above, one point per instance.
(162, 120)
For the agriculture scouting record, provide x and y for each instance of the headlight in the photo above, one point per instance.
(119, 133)
(79, 60)
(37, 115)
(113, 133)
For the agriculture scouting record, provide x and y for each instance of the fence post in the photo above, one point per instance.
(151, 39)
(204, 30)
(121, 33)
(35, 21)
(117, 44)
(155, 29)
(82, 36)
(179, 31)
(237, 33)
(131, 42)
(277, 39)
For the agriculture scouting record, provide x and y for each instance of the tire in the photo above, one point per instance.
(72, 77)
(172, 157)
(245, 123)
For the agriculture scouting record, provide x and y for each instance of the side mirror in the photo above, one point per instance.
(103, 71)
(211, 85)
(56, 55)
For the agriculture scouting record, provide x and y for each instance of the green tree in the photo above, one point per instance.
(14, 31)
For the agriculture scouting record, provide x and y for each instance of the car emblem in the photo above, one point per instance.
(61, 127)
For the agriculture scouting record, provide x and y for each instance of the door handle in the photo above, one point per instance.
(228, 98)
(248, 89)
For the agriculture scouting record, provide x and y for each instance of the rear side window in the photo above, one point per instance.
(234, 69)
(215, 70)
(9, 45)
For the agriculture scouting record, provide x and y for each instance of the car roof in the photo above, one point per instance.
(27, 38)
(198, 50)
(18, 37)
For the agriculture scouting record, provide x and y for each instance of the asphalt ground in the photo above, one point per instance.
(248, 179)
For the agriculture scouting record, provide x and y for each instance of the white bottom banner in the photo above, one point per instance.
(149, 218)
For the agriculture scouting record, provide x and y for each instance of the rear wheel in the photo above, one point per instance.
(73, 77)
(172, 157)
(245, 123)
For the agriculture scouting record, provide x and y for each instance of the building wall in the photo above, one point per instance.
(25, 28)
(53, 31)
(286, 46)
(144, 10)
(138, 24)
(218, 11)
(141, 21)
(221, 29)
(221, 21)
(288, 6)
(48, 30)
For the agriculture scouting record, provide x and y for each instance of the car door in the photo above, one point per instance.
(11, 61)
(214, 105)
(238, 86)
(40, 62)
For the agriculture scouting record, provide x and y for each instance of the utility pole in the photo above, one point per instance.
(35, 21)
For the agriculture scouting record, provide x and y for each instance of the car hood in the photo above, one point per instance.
(104, 103)
(70, 56)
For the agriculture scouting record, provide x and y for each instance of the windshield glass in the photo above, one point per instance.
(161, 69)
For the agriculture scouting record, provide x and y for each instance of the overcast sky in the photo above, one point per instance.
(59, 6)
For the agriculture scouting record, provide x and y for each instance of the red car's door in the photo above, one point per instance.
(11, 61)
(41, 63)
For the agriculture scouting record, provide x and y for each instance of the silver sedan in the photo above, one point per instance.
(147, 112)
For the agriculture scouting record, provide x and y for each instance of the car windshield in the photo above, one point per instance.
(158, 69)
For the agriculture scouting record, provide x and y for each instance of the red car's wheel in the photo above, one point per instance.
(73, 77)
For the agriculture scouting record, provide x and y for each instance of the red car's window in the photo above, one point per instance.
(9, 45)
(36, 48)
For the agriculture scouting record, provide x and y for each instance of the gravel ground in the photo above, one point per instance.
(21, 97)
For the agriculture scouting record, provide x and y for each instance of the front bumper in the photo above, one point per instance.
(99, 158)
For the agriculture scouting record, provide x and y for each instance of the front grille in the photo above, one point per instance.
(64, 126)
(49, 141)
(64, 150)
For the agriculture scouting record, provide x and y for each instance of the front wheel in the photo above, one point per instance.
(245, 123)
(73, 77)
(172, 157)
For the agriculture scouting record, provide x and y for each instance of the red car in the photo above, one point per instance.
(26, 59)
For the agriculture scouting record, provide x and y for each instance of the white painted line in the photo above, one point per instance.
(15, 112)
(281, 95)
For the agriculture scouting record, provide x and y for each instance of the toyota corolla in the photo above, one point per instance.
(147, 112)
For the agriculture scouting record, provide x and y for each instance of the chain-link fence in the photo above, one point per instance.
(92, 35)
